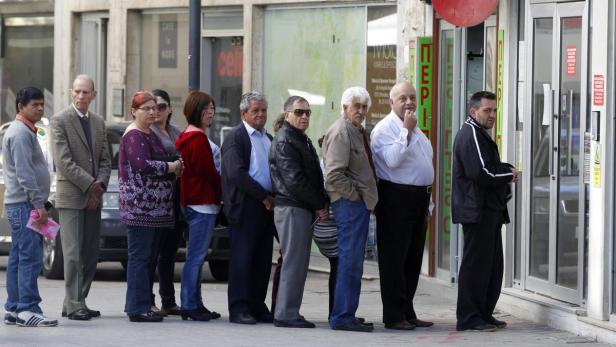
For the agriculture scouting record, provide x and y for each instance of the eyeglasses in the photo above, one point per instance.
(147, 109)
(299, 112)
(162, 106)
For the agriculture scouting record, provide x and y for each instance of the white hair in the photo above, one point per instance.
(359, 94)
(84, 77)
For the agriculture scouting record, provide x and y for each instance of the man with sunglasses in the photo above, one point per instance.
(83, 165)
(403, 160)
(299, 198)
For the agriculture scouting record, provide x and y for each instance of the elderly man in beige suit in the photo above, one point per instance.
(351, 184)
(83, 165)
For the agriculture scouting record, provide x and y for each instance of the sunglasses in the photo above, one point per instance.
(299, 112)
(162, 106)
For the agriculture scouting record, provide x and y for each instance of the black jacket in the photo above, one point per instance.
(297, 178)
(480, 180)
(237, 185)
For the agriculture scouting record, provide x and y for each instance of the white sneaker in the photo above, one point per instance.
(10, 318)
(32, 319)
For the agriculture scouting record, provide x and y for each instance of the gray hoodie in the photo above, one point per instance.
(26, 176)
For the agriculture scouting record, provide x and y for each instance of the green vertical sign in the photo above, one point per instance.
(499, 87)
(412, 61)
(424, 84)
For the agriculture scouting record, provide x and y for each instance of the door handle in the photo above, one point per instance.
(551, 134)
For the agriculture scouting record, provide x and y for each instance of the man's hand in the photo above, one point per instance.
(96, 189)
(410, 120)
(323, 214)
(93, 202)
(516, 175)
(269, 203)
(43, 215)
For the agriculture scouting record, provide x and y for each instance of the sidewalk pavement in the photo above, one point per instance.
(434, 301)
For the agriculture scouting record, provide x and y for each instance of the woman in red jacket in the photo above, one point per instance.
(200, 196)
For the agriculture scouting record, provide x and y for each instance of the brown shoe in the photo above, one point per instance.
(401, 325)
(421, 323)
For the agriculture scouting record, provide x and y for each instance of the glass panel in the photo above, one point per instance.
(27, 61)
(223, 20)
(223, 60)
(491, 46)
(445, 142)
(162, 64)
(93, 55)
(569, 152)
(314, 53)
(519, 208)
(540, 194)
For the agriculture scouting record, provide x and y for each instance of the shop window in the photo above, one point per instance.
(27, 60)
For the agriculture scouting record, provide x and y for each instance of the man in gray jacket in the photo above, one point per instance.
(26, 180)
(351, 184)
(83, 165)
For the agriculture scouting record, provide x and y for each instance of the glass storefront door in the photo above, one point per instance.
(555, 187)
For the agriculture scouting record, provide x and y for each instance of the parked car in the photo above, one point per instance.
(113, 243)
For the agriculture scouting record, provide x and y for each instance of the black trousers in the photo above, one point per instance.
(167, 251)
(400, 234)
(481, 272)
(251, 259)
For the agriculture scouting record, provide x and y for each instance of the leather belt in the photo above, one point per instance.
(408, 187)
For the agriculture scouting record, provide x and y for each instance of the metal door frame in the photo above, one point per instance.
(555, 11)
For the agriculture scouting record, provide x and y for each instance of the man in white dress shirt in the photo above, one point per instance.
(403, 160)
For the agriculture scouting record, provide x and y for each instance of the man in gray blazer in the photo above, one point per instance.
(83, 165)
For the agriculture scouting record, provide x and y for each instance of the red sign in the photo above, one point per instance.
(571, 60)
(465, 13)
(598, 90)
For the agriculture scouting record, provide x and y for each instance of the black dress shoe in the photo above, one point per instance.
(420, 323)
(148, 317)
(354, 326)
(93, 313)
(483, 327)
(401, 325)
(293, 323)
(362, 321)
(265, 317)
(80, 314)
(498, 323)
(214, 314)
(242, 318)
(196, 315)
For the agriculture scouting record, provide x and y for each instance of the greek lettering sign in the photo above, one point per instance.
(500, 65)
(424, 84)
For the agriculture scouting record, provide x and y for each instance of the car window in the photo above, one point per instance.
(113, 138)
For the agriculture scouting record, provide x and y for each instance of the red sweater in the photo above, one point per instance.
(200, 183)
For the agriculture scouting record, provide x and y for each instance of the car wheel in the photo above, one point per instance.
(219, 269)
(53, 263)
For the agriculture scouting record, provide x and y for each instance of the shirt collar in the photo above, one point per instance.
(81, 115)
(252, 130)
(27, 122)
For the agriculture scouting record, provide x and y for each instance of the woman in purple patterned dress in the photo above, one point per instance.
(146, 203)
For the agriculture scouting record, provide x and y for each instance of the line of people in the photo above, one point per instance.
(269, 186)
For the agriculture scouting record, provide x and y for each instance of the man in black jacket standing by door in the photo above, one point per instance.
(480, 191)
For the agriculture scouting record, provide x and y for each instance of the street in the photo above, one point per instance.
(434, 301)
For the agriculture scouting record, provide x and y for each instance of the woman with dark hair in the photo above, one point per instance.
(200, 196)
(167, 134)
(146, 203)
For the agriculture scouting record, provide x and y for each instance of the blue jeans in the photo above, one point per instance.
(142, 251)
(352, 218)
(200, 231)
(25, 261)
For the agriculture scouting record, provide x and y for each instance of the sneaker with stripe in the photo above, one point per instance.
(10, 318)
(33, 319)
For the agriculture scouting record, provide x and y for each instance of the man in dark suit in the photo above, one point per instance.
(248, 205)
(83, 167)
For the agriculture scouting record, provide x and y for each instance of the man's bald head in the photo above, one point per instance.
(403, 98)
